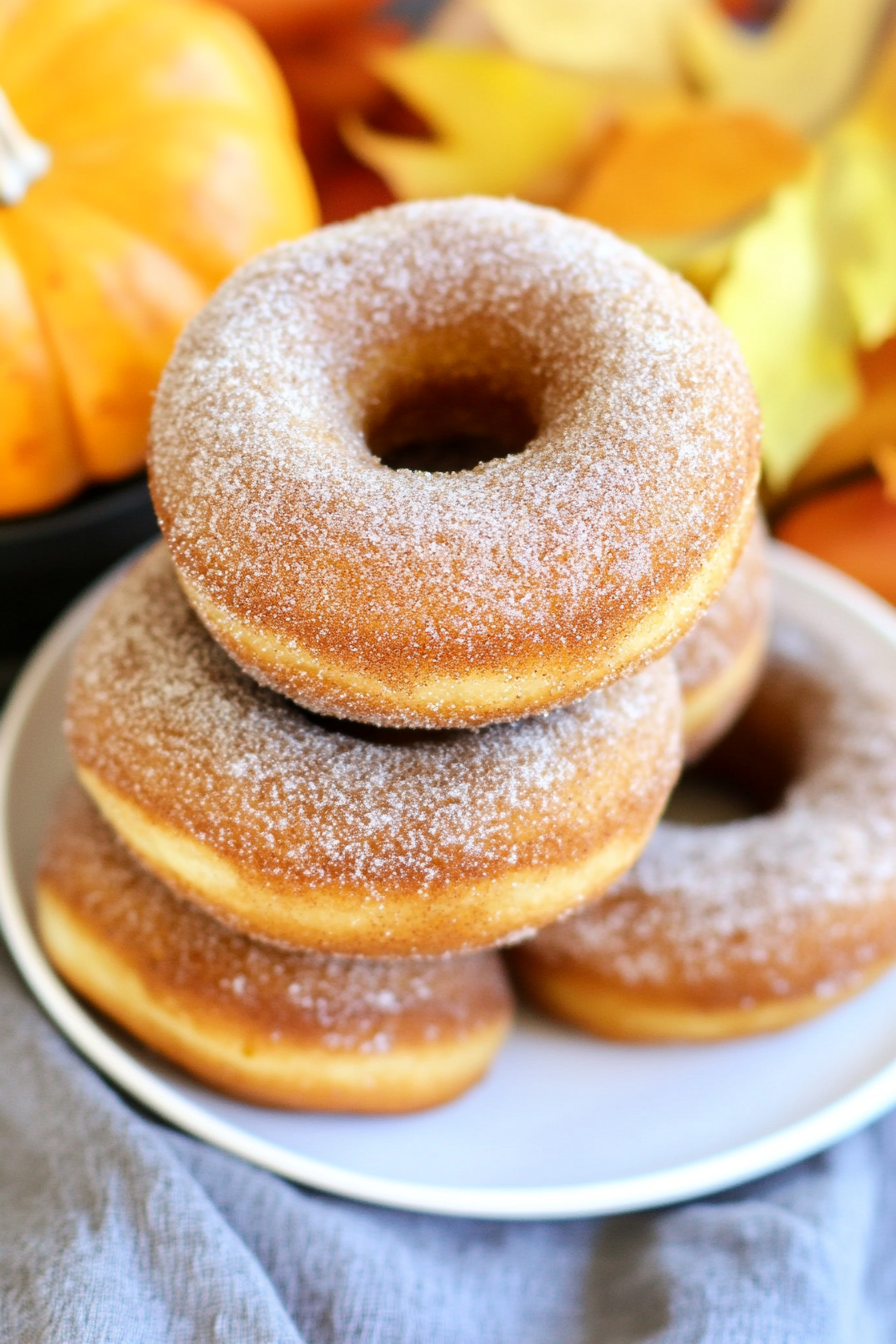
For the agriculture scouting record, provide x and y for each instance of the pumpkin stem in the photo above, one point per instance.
(22, 160)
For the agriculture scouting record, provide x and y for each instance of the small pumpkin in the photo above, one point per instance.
(852, 527)
(147, 147)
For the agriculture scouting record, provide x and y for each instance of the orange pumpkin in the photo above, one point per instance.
(147, 147)
(852, 527)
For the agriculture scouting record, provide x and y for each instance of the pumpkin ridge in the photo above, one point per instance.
(55, 368)
(209, 259)
(90, 420)
(107, 217)
(59, 374)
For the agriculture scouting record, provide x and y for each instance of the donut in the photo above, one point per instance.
(274, 1027)
(720, 661)
(351, 839)
(453, 463)
(755, 924)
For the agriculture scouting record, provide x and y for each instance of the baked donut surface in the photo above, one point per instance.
(403, 597)
(362, 841)
(720, 661)
(292, 1029)
(755, 924)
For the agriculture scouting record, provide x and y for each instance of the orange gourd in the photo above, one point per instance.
(147, 147)
(852, 527)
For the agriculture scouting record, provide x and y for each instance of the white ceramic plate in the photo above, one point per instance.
(564, 1125)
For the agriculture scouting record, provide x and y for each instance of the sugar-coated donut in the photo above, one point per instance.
(757, 924)
(453, 598)
(365, 842)
(720, 661)
(279, 1028)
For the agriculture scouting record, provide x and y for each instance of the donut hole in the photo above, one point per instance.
(747, 773)
(451, 426)
(700, 799)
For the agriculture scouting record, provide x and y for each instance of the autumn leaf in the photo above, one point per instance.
(875, 106)
(802, 69)
(687, 169)
(501, 125)
(637, 37)
(781, 299)
(860, 220)
(852, 442)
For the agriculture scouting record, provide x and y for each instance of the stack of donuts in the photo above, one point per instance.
(440, 490)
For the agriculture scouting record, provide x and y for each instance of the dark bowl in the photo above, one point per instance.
(46, 560)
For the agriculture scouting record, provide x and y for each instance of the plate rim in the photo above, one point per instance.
(702, 1176)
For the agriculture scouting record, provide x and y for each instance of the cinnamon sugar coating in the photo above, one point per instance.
(730, 928)
(453, 598)
(360, 841)
(720, 661)
(242, 1000)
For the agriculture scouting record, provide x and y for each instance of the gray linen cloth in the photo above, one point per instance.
(114, 1228)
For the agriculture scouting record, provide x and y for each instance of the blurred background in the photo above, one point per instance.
(748, 144)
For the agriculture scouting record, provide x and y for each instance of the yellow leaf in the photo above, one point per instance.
(860, 218)
(851, 443)
(637, 37)
(502, 126)
(877, 103)
(783, 304)
(802, 69)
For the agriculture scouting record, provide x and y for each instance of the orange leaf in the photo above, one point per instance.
(279, 19)
(350, 190)
(330, 70)
(687, 171)
(753, 13)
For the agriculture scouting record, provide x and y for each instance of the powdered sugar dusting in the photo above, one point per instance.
(162, 715)
(341, 1003)
(798, 901)
(646, 452)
